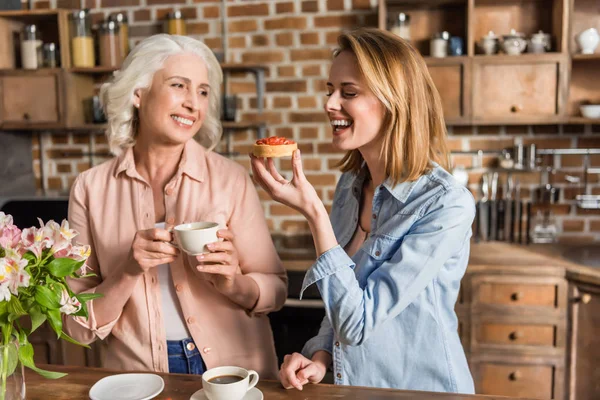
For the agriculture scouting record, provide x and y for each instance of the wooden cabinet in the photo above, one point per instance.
(509, 89)
(43, 99)
(518, 333)
(584, 342)
(451, 78)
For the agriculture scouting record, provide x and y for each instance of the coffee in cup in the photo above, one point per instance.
(193, 237)
(228, 383)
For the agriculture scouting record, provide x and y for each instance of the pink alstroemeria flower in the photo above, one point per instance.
(10, 236)
(12, 271)
(69, 305)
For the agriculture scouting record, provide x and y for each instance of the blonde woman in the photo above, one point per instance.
(391, 259)
(162, 310)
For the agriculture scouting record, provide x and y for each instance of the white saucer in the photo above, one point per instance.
(127, 387)
(253, 394)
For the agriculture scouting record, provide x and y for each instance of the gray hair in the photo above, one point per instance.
(137, 72)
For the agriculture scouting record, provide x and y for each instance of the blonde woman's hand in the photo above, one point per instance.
(221, 266)
(297, 193)
(151, 248)
(297, 370)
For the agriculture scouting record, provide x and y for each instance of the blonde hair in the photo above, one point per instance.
(414, 131)
(137, 72)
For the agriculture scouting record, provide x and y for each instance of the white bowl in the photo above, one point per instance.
(590, 110)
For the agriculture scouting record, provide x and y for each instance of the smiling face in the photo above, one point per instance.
(172, 110)
(355, 113)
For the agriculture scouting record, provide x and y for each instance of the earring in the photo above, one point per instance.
(137, 105)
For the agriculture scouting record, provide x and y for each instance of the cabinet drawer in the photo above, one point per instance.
(516, 334)
(515, 90)
(29, 99)
(534, 381)
(510, 294)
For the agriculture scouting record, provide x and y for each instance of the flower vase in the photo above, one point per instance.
(12, 374)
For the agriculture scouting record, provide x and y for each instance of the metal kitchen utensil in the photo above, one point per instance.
(493, 206)
(508, 210)
(484, 210)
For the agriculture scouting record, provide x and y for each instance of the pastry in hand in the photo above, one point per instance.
(274, 146)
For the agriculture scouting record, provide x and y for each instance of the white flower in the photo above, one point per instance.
(4, 292)
(5, 219)
(69, 305)
(12, 271)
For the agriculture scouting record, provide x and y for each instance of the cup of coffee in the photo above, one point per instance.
(193, 237)
(228, 383)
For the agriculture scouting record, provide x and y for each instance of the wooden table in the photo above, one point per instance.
(77, 384)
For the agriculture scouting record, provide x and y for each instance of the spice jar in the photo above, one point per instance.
(438, 47)
(401, 26)
(31, 47)
(122, 22)
(109, 44)
(175, 23)
(82, 42)
(50, 55)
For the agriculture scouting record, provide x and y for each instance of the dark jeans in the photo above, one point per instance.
(182, 360)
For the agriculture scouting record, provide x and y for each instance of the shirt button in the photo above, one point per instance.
(377, 253)
(339, 375)
(179, 287)
(206, 350)
(191, 320)
(337, 344)
(170, 220)
(160, 347)
(147, 215)
(190, 346)
(153, 279)
(374, 216)
(169, 191)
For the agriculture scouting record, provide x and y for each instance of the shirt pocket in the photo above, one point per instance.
(386, 241)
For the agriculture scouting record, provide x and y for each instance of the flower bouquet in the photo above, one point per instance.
(34, 265)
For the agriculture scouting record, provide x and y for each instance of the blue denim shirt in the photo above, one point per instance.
(390, 319)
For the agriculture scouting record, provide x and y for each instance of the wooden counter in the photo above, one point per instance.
(77, 384)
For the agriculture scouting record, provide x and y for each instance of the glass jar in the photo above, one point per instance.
(50, 55)
(175, 24)
(31, 48)
(82, 41)
(401, 26)
(109, 44)
(121, 20)
(438, 47)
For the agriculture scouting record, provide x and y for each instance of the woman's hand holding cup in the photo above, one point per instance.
(151, 248)
(221, 264)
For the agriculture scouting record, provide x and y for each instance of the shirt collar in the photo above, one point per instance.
(400, 191)
(192, 162)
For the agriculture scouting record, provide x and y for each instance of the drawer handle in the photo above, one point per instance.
(26, 116)
(515, 335)
(516, 296)
(513, 376)
(516, 108)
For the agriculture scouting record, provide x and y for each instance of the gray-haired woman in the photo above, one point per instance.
(162, 310)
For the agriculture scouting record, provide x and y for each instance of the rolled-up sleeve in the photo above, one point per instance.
(81, 329)
(355, 312)
(257, 256)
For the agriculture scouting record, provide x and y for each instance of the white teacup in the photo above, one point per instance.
(193, 237)
(228, 391)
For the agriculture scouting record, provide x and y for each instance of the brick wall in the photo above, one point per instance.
(295, 39)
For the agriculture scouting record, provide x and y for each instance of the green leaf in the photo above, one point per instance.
(47, 298)
(3, 307)
(71, 340)
(85, 297)
(37, 317)
(15, 307)
(83, 312)
(26, 357)
(61, 267)
(29, 256)
(55, 321)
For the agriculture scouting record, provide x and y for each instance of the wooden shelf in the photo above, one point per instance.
(94, 70)
(450, 60)
(586, 57)
(24, 14)
(525, 58)
(583, 120)
(226, 67)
